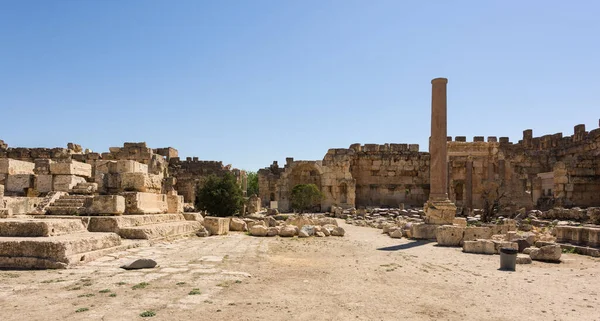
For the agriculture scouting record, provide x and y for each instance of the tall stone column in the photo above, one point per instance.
(438, 176)
(439, 209)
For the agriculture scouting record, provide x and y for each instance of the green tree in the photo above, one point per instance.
(252, 183)
(306, 197)
(220, 196)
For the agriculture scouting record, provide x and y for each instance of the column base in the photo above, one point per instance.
(439, 211)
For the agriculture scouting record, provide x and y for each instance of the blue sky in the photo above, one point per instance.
(249, 82)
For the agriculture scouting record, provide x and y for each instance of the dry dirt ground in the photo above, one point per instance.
(362, 276)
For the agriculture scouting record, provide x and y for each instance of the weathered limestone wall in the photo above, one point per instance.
(390, 175)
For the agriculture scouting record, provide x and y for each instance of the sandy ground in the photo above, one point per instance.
(362, 276)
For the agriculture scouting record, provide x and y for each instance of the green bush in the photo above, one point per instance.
(252, 183)
(220, 196)
(305, 197)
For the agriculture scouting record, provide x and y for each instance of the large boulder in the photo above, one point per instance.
(308, 230)
(327, 221)
(338, 231)
(238, 225)
(549, 253)
(449, 235)
(258, 230)
(396, 234)
(299, 221)
(273, 231)
(288, 231)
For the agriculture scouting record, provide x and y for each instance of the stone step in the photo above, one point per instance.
(115, 223)
(160, 230)
(63, 202)
(65, 210)
(53, 252)
(75, 197)
(39, 228)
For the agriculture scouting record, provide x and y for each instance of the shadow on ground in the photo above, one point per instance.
(404, 246)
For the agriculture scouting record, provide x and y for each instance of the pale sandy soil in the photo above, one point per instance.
(362, 276)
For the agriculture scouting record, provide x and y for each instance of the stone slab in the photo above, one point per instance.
(12, 166)
(166, 230)
(53, 252)
(39, 228)
(423, 231)
(450, 235)
(18, 183)
(71, 168)
(107, 204)
(145, 203)
(141, 182)
(65, 183)
(473, 233)
(44, 183)
(479, 247)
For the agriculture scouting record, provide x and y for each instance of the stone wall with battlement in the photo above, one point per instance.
(535, 172)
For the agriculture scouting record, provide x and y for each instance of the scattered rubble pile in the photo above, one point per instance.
(541, 235)
(283, 225)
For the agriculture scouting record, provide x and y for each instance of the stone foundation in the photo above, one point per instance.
(145, 203)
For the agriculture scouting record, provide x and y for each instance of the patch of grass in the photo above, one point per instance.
(140, 286)
(147, 314)
(104, 291)
(195, 292)
(88, 295)
(75, 288)
(180, 283)
(87, 284)
(9, 275)
(570, 251)
(112, 295)
(238, 281)
(81, 310)
(121, 283)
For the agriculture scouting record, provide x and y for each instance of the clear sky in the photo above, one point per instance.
(252, 81)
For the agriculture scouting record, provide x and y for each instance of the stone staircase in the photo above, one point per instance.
(51, 243)
(69, 205)
(146, 227)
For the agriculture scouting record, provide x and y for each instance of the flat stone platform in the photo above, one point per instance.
(147, 227)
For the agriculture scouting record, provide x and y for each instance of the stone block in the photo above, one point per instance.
(145, 203)
(107, 204)
(175, 203)
(42, 166)
(549, 253)
(440, 212)
(500, 244)
(449, 235)
(130, 166)
(460, 221)
(479, 247)
(65, 183)
(474, 233)
(140, 182)
(18, 183)
(217, 225)
(71, 168)
(13, 167)
(423, 231)
(44, 183)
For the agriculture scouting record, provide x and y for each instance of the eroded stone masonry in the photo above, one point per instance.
(533, 173)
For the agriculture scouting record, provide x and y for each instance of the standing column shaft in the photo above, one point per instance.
(437, 147)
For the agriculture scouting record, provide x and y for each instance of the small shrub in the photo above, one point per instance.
(306, 197)
(195, 292)
(121, 283)
(112, 295)
(104, 291)
(140, 286)
(147, 314)
(180, 283)
(81, 310)
(87, 295)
